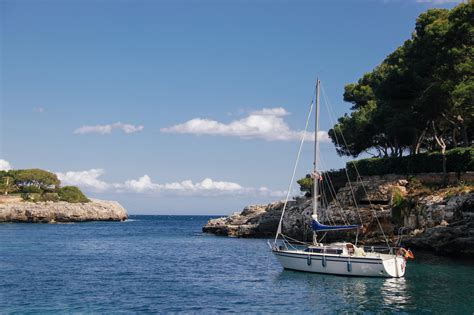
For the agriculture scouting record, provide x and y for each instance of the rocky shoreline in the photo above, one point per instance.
(439, 220)
(59, 212)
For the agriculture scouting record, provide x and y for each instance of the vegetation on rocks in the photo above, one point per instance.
(332, 179)
(38, 185)
(420, 98)
(72, 194)
(414, 112)
(35, 178)
(457, 160)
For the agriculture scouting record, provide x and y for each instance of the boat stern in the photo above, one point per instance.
(395, 266)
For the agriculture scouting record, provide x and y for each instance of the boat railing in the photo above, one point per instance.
(382, 249)
(287, 244)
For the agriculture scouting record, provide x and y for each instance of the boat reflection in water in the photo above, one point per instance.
(394, 292)
(331, 293)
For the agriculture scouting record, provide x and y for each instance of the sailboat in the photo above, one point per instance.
(341, 258)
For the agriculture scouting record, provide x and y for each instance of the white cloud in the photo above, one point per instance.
(38, 109)
(5, 165)
(143, 184)
(107, 129)
(267, 124)
(88, 180)
(209, 184)
(277, 111)
(264, 191)
(205, 186)
(187, 187)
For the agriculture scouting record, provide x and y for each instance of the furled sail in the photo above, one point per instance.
(321, 227)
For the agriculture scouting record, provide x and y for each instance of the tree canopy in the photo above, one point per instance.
(38, 185)
(41, 179)
(421, 97)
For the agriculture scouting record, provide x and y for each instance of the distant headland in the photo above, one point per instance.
(36, 196)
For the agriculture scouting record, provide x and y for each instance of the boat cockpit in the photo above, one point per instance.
(347, 249)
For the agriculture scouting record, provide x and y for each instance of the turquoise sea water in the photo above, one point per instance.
(165, 264)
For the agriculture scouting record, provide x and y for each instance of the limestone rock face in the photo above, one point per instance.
(51, 212)
(448, 227)
(253, 221)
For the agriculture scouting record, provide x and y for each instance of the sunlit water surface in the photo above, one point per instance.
(165, 264)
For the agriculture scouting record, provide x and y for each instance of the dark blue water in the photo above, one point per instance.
(165, 264)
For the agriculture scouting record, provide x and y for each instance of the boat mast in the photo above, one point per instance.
(316, 151)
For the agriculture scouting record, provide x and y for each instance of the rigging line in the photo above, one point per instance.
(333, 192)
(338, 205)
(334, 196)
(287, 243)
(294, 169)
(324, 203)
(331, 117)
(305, 230)
(343, 217)
(328, 217)
(295, 240)
(324, 236)
(372, 207)
(363, 186)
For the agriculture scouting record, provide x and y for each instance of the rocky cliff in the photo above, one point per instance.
(52, 212)
(427, 217)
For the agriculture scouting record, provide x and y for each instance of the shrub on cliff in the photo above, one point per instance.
(457, 160)
(50, 197)
(72, 194)
(332, 181)
(31, 190)
(35, 179)
(306, 185)
(40, 197)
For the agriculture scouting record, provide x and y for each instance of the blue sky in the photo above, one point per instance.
(182, 107)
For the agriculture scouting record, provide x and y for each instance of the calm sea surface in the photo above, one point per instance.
(165, 264)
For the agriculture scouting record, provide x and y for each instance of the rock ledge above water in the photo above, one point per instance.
(52, 212)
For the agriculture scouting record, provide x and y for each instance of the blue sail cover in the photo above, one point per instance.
(321, 227)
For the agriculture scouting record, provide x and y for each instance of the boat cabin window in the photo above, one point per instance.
(334, 251)
(313, 250)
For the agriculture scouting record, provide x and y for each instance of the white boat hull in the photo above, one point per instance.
(371, 265)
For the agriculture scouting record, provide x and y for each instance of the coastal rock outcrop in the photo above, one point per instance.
(449, 228)
(52, 212)
(435, 219)
(253, 221)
